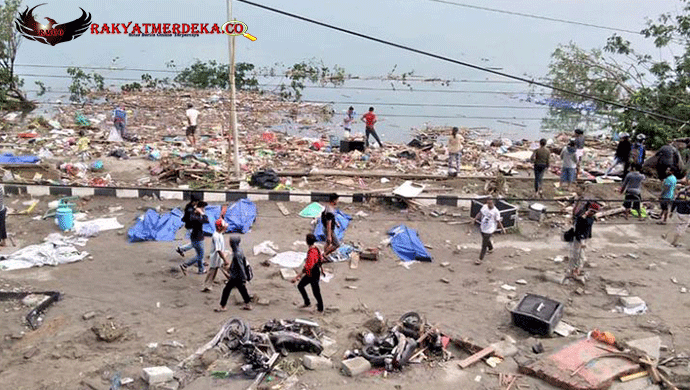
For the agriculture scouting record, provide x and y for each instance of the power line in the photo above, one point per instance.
(462, 63)
(537, 17)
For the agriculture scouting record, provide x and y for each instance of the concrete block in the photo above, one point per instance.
(171, 385)
(505, 348)
(313, 362)
(153, 375)
(288, 273)
(356, 366)
(651, 346)
(631, 302)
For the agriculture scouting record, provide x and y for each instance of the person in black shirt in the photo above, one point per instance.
(196, 223)
(583, 232)
(239, 275)
(622, 154)
(329, 224)
(188, 211)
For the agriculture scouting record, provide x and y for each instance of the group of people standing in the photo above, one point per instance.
(369, 120)
(236, 269)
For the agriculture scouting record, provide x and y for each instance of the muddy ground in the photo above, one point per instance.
(136, 287)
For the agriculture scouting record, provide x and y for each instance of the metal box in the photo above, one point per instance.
(537, 314)
(509, 213)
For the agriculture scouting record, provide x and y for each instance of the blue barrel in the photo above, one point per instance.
(65, 218)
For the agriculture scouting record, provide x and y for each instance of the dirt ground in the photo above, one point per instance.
(135, 286)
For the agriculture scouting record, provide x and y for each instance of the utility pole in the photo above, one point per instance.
(233, 108)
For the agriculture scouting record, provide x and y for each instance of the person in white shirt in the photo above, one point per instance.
(347, 122)
(490, 219)
(192, 116)
(218, 258)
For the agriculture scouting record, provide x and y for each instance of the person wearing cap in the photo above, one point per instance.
(622, 155)
(196, 222)
(638, 152)
(239, 276)
(568, 164)
(582, 233)
(218, 258)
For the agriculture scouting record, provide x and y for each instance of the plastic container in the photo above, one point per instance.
(537, 212)
(65, 218)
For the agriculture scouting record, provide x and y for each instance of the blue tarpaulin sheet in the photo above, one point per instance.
(9, 158)
(155, 227)
(407, 245)
(342, 220)
(240, 217)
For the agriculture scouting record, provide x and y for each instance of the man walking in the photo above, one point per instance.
(329, 224)
(632, 187)
(582, 233)
(669, 187)
(311, 274)
(541, 159)
(369, 120)
(638, 152)
(196, 222)
(218, 259)
(490, 219)
(3, 216)
(120, 120)
(568, 165)
(192, 116)
(622, 155)
(188, 211)
(347, 122)
(239, 275)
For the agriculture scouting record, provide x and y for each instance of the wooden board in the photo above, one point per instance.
(283, 209)
(476, 357)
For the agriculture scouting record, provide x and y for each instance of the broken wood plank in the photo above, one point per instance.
(476, 357)
(283, 209)
(636, 375)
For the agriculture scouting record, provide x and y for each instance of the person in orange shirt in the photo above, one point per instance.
(369, 120)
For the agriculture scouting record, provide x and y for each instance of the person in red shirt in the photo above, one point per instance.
(311, 274)
(369, 120)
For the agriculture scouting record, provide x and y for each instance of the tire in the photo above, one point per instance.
(374, 357)
(412, 320)
(237, 332)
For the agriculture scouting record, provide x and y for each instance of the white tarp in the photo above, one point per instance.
(56, 250)
(289, 259)
(93, 227)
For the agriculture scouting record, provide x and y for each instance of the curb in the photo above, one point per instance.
(206, 195)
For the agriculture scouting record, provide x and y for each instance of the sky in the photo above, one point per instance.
(514, 44)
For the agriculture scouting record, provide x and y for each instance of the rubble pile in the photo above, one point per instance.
(291, 138)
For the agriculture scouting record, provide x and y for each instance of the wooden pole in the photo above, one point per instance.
(233, 108)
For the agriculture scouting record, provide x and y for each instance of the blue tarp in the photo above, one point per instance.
(407, 245)
(240, 217)
(342, 220)
(9, 158)
(155, 227)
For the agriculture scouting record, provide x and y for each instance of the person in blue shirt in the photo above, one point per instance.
(669, 187)
(120, 120)
(637, 155)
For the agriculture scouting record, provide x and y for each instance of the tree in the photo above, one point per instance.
(620, 74)
(11, 94)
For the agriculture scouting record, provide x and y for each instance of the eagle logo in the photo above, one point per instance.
(52, 33)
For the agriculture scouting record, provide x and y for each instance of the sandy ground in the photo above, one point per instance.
(135, 286)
